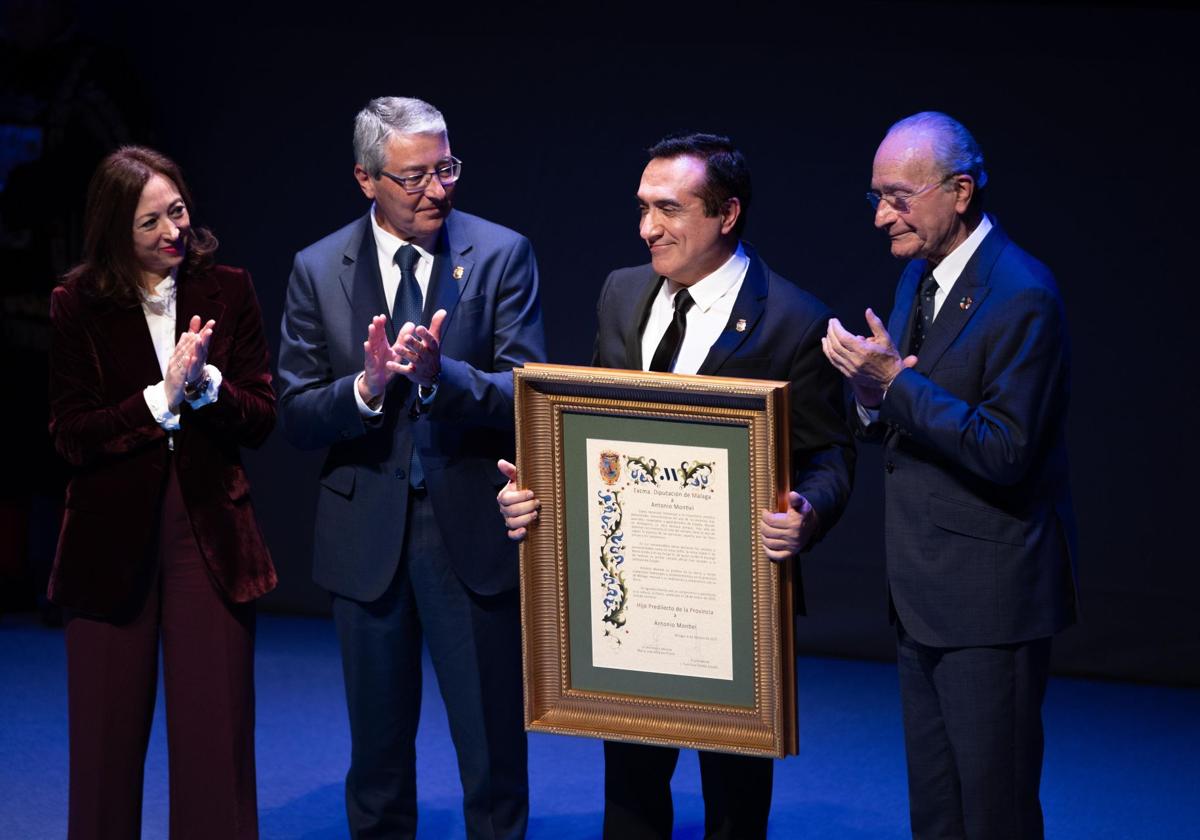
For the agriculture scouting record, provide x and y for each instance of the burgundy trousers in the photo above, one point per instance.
(208, 676)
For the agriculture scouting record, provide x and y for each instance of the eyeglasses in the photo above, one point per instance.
(901, 202)
(447, 173)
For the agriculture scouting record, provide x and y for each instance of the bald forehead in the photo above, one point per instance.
(906, 145)
(904, 155)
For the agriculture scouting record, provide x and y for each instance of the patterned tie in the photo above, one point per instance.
(672, 340)
(924, 319)
(407, 307)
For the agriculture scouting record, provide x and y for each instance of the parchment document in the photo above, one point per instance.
(659, 537)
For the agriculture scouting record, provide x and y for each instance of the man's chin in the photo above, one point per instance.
(430, 225)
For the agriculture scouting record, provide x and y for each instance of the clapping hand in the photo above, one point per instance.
(187, 361)
(870, 363)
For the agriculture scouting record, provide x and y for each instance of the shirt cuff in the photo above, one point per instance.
(364, 409)
(209, 394)
(426, 397)
(156, 401)
(866, 415)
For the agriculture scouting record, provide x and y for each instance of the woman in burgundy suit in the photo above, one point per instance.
(158, 375)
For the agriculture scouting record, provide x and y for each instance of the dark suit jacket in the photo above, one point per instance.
(782, 341)
(485, 277)
(101, 359)
(979, 524)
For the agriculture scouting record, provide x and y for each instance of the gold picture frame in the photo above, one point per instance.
(753, 712)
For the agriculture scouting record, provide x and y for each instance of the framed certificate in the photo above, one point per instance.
(650, 612)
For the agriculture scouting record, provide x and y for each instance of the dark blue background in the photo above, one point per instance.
(1086, 115)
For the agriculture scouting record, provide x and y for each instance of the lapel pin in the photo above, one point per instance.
(965, 303)
(740, 326)
(458, 272)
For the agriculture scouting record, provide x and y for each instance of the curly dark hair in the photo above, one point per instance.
(109, 269)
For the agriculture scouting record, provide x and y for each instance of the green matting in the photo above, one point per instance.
(578, 428)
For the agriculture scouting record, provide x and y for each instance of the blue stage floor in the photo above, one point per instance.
(1122, 761)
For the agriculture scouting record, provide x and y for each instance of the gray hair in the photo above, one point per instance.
(388, 115)
(955, 151)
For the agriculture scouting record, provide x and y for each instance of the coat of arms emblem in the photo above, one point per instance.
(610, 466)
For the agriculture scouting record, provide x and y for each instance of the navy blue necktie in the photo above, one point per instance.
(924, 319)
(668, 346)
(407, 307)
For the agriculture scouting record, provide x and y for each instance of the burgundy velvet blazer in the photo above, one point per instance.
(101, 359)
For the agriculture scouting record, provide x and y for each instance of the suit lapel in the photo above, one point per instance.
(748, 307)
(963, 301)
(633, 337)
(124, 331)
(452, 265)
(900, 325)
(362, 282)
(198, 295)
(951, 319)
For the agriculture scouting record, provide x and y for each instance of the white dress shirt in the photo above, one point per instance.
(386, 246)
(159, 308)
(713, 298)
(945, 274)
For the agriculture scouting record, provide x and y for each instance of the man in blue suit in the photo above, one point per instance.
(980, 533)
(708, 304)
(413, 407)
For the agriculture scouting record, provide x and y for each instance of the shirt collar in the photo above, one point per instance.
(163, 296)
(947, 271)
(388, 244)
(708, 290)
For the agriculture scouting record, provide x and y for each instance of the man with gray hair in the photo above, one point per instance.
(399, 335)
(971, 409)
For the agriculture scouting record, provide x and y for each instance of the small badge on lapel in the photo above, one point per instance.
(458, 272)
(965, 303)
(740, 326)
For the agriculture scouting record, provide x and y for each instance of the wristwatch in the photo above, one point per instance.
(193, 390)
(426, 392)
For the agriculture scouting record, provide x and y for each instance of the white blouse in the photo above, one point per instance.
(159, 308)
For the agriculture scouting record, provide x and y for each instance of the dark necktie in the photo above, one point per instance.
(672, 340)
(407, 305)
(924, 319)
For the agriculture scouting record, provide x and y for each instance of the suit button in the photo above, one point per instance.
(401, 474)
(889, 467)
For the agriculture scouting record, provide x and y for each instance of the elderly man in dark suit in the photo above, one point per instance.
(708, 304)
(979, 526)
(412, 417)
